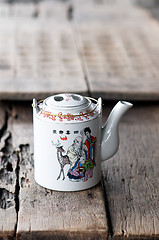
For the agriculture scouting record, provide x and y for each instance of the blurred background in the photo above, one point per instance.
(107, 48)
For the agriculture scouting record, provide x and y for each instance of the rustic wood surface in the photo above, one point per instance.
(106, 48)
(8, 179)
(131, 177)
(126, 209)
(38, 59)
(120, 50)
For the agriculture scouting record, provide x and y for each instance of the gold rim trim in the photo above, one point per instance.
(66, 115)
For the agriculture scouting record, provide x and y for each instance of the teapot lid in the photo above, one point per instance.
(65, 101)
(68, 107)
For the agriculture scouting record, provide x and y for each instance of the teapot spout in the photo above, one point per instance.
(110, 130)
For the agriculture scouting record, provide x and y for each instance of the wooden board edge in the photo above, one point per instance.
(56, 235)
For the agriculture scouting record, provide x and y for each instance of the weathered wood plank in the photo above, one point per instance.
(38, 55)
(131, 178)
(45, 214)
(8, 178)
(119, 49)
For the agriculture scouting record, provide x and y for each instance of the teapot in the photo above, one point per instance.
(70, 141)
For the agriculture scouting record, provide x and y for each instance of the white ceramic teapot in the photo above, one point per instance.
(70, 141)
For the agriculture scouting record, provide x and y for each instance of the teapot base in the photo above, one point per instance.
(79, 187)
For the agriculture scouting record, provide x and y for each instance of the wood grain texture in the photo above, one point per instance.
(46, 214)
(38, 53)
(119, 49)
(131, 178)
(104, 48)
(130, 181)
(8, 178)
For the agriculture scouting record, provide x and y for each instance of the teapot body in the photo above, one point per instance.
(67, 149)
(70, 141)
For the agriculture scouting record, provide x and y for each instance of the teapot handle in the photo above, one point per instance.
(34, 105)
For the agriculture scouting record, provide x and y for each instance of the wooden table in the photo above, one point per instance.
(107, 48)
